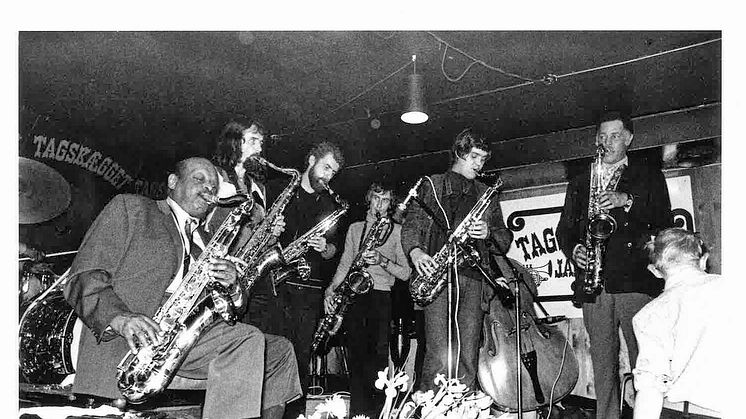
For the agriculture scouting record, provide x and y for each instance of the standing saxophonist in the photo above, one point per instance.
(456, 192)
(367, 321)
(640, 207)
(297, 307)
(132, 258)
(239, 140)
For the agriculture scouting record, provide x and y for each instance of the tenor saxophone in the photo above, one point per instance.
(293, 262)
(425, 288)
(187, 313)
(601, 225)
(357, 282)
(257, 264)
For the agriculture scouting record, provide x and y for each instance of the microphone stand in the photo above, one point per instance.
(517, 279)
(487, 277)
(451, 257)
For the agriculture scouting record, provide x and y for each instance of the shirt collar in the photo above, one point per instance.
(459, 182)
(683, 276)
(614, 166)
(180, 214)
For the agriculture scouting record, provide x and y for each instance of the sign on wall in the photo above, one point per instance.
(533, 221)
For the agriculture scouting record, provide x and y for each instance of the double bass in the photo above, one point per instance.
(542, 348)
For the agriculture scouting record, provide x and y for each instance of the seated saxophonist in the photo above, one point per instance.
(133, 256)
(367, 321)
(453, 194)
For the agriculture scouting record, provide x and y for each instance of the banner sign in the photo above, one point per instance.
(533, 221)
(82, 156)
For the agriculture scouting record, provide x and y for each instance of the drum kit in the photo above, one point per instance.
(48, 328)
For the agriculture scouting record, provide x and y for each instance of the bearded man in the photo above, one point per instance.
(298, 305)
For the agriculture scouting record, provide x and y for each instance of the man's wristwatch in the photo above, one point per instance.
(384, 262)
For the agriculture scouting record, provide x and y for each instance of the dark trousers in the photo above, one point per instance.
(245, 370)
(602, 320)
(469, 325)
(293, 313)
(368, 324)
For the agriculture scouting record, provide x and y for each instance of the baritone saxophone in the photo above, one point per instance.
(357, 282)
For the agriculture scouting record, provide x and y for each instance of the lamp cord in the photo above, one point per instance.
(548, 79)
(354, 98)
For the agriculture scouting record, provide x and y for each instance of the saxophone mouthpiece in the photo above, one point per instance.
(259, 159)
(229, 201)
(488, 178)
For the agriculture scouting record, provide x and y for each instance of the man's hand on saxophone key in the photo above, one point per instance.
(137, 329)
(611, 199)
(479, 230)
(329, 305)
(223, 271)
(278, 226)
(423, 263)
(580, 256)
(372, 257)
(317, 243)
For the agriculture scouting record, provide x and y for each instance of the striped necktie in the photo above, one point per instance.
(194, 250)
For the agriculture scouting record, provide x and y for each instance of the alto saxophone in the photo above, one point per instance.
(425, 288)
(357, 282)
(257, 264)
(293, 262)
(601, 225)
(186, 314)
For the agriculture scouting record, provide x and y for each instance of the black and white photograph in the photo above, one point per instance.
(387, 222)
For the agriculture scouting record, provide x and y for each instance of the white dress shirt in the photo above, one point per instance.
(180, 218)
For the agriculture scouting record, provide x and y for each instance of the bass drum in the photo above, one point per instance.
(48, 334)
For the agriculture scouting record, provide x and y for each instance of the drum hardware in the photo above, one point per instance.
(51, 255)
(33, 280)
(43, 193)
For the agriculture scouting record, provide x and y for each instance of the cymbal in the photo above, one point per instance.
(42, 192)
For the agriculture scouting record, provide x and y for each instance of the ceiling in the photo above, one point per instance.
(163, 95)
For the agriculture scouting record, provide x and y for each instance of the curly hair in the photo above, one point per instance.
(322, 149)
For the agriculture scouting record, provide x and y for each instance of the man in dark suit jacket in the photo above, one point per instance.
(641, 207)
(132, 257)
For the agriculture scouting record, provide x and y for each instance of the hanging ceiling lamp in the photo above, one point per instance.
(415, 112)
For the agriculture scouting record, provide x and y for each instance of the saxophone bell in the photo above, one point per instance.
(602, 226)
(360, 282)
